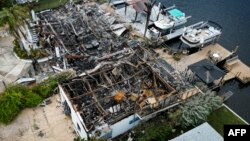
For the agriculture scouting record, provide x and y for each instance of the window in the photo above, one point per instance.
(134, 120)
(78, 127)
(67, 110)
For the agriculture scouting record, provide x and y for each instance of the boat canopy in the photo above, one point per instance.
(164, 24)
(176, 13)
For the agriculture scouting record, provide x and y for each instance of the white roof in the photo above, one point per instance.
(204, 132)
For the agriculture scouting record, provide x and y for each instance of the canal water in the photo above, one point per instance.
(234, 17)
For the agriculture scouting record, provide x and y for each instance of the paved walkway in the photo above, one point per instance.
(11, 68)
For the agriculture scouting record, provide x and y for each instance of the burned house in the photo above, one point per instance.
(114, 99)
(120, 83)
(79, 36)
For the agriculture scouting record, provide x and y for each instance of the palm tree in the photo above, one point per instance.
(15, 17)
(196, 110)
(149, 5)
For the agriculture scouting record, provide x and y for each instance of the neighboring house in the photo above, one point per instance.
(204, 132)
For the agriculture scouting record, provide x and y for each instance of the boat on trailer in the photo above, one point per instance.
(201, 33)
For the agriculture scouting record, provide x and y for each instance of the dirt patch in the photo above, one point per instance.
(47, 123)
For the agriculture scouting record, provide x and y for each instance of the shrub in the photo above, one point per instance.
(174, 117)
(177, 56)
(152, 131)
(17, 97)
(19, 52)
(34, 53)
(196, 110)
(47, 87)
(10, 106)
(41, 90)
(37, 53)
(31, 99)
(28, 98)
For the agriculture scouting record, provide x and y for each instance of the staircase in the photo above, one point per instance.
(34, 35)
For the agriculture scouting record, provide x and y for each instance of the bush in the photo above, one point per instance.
(28, 98)
(31, 99)
(174, 117)
(19, 52)
(41, 90)
(47, 87)
(17, 97)
(34, 53)
(152, 131)
(14, 99)
(177, 56)
(196, 110)
(38, 53)
(10, 106)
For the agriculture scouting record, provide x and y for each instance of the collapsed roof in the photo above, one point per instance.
(80, 35)
(111, 94)
(117, 77)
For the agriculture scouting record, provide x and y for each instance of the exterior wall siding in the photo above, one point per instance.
(125, 125)
(76, 118)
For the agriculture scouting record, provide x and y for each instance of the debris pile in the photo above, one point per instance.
(116, 77)
(111, 94)
(81, 36)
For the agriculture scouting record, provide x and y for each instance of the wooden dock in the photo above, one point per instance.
(235, 67)
(238, 69)
(204, 54)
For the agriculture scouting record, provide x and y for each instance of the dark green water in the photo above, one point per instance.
(234, 17)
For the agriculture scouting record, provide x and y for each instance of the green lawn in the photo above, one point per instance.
(221, 117)
(47, 4)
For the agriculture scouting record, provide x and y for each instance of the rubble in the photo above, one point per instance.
(111, 94)
(80, 35)
(116, 77)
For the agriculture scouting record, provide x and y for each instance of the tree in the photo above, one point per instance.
(14, 17)
(196, 110)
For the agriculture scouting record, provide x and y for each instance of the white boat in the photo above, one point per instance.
(169, 20)
(201, 33)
